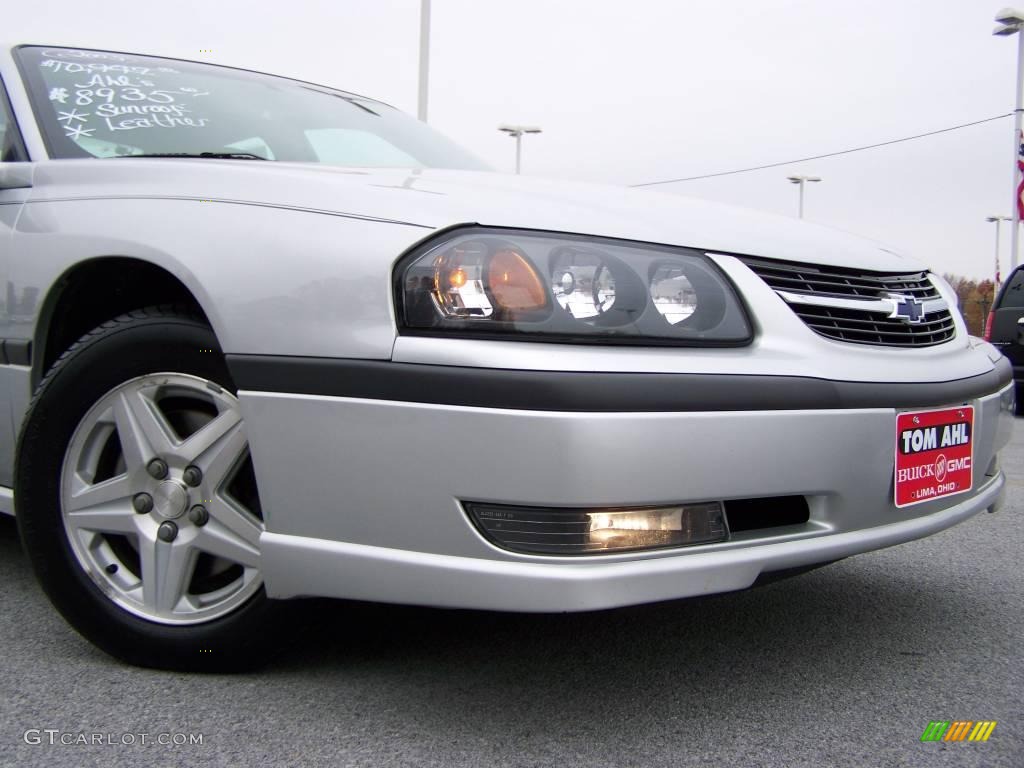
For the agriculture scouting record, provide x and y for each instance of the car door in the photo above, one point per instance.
(1006, 319)
(15, 184)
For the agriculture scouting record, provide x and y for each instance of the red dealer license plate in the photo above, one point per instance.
(934, 451)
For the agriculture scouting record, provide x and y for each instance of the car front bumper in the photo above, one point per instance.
(362, 497)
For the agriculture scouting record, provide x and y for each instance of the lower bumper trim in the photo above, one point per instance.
(300, 566)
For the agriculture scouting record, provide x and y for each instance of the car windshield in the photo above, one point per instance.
(103, 104)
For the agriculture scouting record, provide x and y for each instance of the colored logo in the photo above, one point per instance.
(958, 730)
(934, 454)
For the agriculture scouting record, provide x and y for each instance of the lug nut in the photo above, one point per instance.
(157, 468)
(193, 475)
(198, 515)
(143, 503)
(167, 531)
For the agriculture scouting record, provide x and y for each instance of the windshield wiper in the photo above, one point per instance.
(212, 155)
(355, 101)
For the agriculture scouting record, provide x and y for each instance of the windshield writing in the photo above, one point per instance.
(104, 104)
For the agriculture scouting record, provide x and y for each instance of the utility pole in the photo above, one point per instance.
(421, 109)
(1011, 21)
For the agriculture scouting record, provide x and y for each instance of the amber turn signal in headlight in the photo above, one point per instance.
(475, 280)
(559, 531)
(541, 287)
(514, 283)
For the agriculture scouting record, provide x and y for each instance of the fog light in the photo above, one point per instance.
(549, 531)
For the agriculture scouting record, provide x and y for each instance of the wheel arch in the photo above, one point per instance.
(94, 291)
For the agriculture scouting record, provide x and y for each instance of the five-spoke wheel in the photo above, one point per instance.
(155, 490)
(137, 502)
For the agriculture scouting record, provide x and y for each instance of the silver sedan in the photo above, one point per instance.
(265, 339)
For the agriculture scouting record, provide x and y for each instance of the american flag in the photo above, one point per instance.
(1020, 165)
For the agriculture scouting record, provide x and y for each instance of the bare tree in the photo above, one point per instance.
(974, 299)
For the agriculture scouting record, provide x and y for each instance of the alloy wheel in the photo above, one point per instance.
(159, 499)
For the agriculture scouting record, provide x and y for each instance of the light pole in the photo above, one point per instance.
(517, 131)
(421, 108)
(998, 221)
(1011, 22)
(801, 180)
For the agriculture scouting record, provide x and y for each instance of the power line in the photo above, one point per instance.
(828, 154)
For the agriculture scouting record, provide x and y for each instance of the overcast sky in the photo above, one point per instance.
(638, 91)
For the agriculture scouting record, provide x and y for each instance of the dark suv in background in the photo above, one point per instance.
(1005, 328)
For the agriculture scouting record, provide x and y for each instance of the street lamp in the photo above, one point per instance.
(1011, 22)
(517, 131)
(801, 180)
(424, 75)
(998, 221)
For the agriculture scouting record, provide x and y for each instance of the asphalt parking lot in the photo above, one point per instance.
(844, 666)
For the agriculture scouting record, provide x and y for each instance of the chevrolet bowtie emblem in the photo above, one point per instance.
(906, 308)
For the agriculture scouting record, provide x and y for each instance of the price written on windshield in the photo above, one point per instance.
(121, 98)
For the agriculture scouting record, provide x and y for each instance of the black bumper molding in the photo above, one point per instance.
(587, 391)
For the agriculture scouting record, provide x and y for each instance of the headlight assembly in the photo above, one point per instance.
(520, 285)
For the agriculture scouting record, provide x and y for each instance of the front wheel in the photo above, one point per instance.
(137, 501)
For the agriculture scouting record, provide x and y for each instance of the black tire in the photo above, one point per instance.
(147, 341)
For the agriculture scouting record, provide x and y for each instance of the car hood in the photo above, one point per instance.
(438, 199)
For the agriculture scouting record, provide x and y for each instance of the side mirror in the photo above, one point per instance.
(1020, 330)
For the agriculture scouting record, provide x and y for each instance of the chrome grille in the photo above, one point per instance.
(827, 299)
(874, 328)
